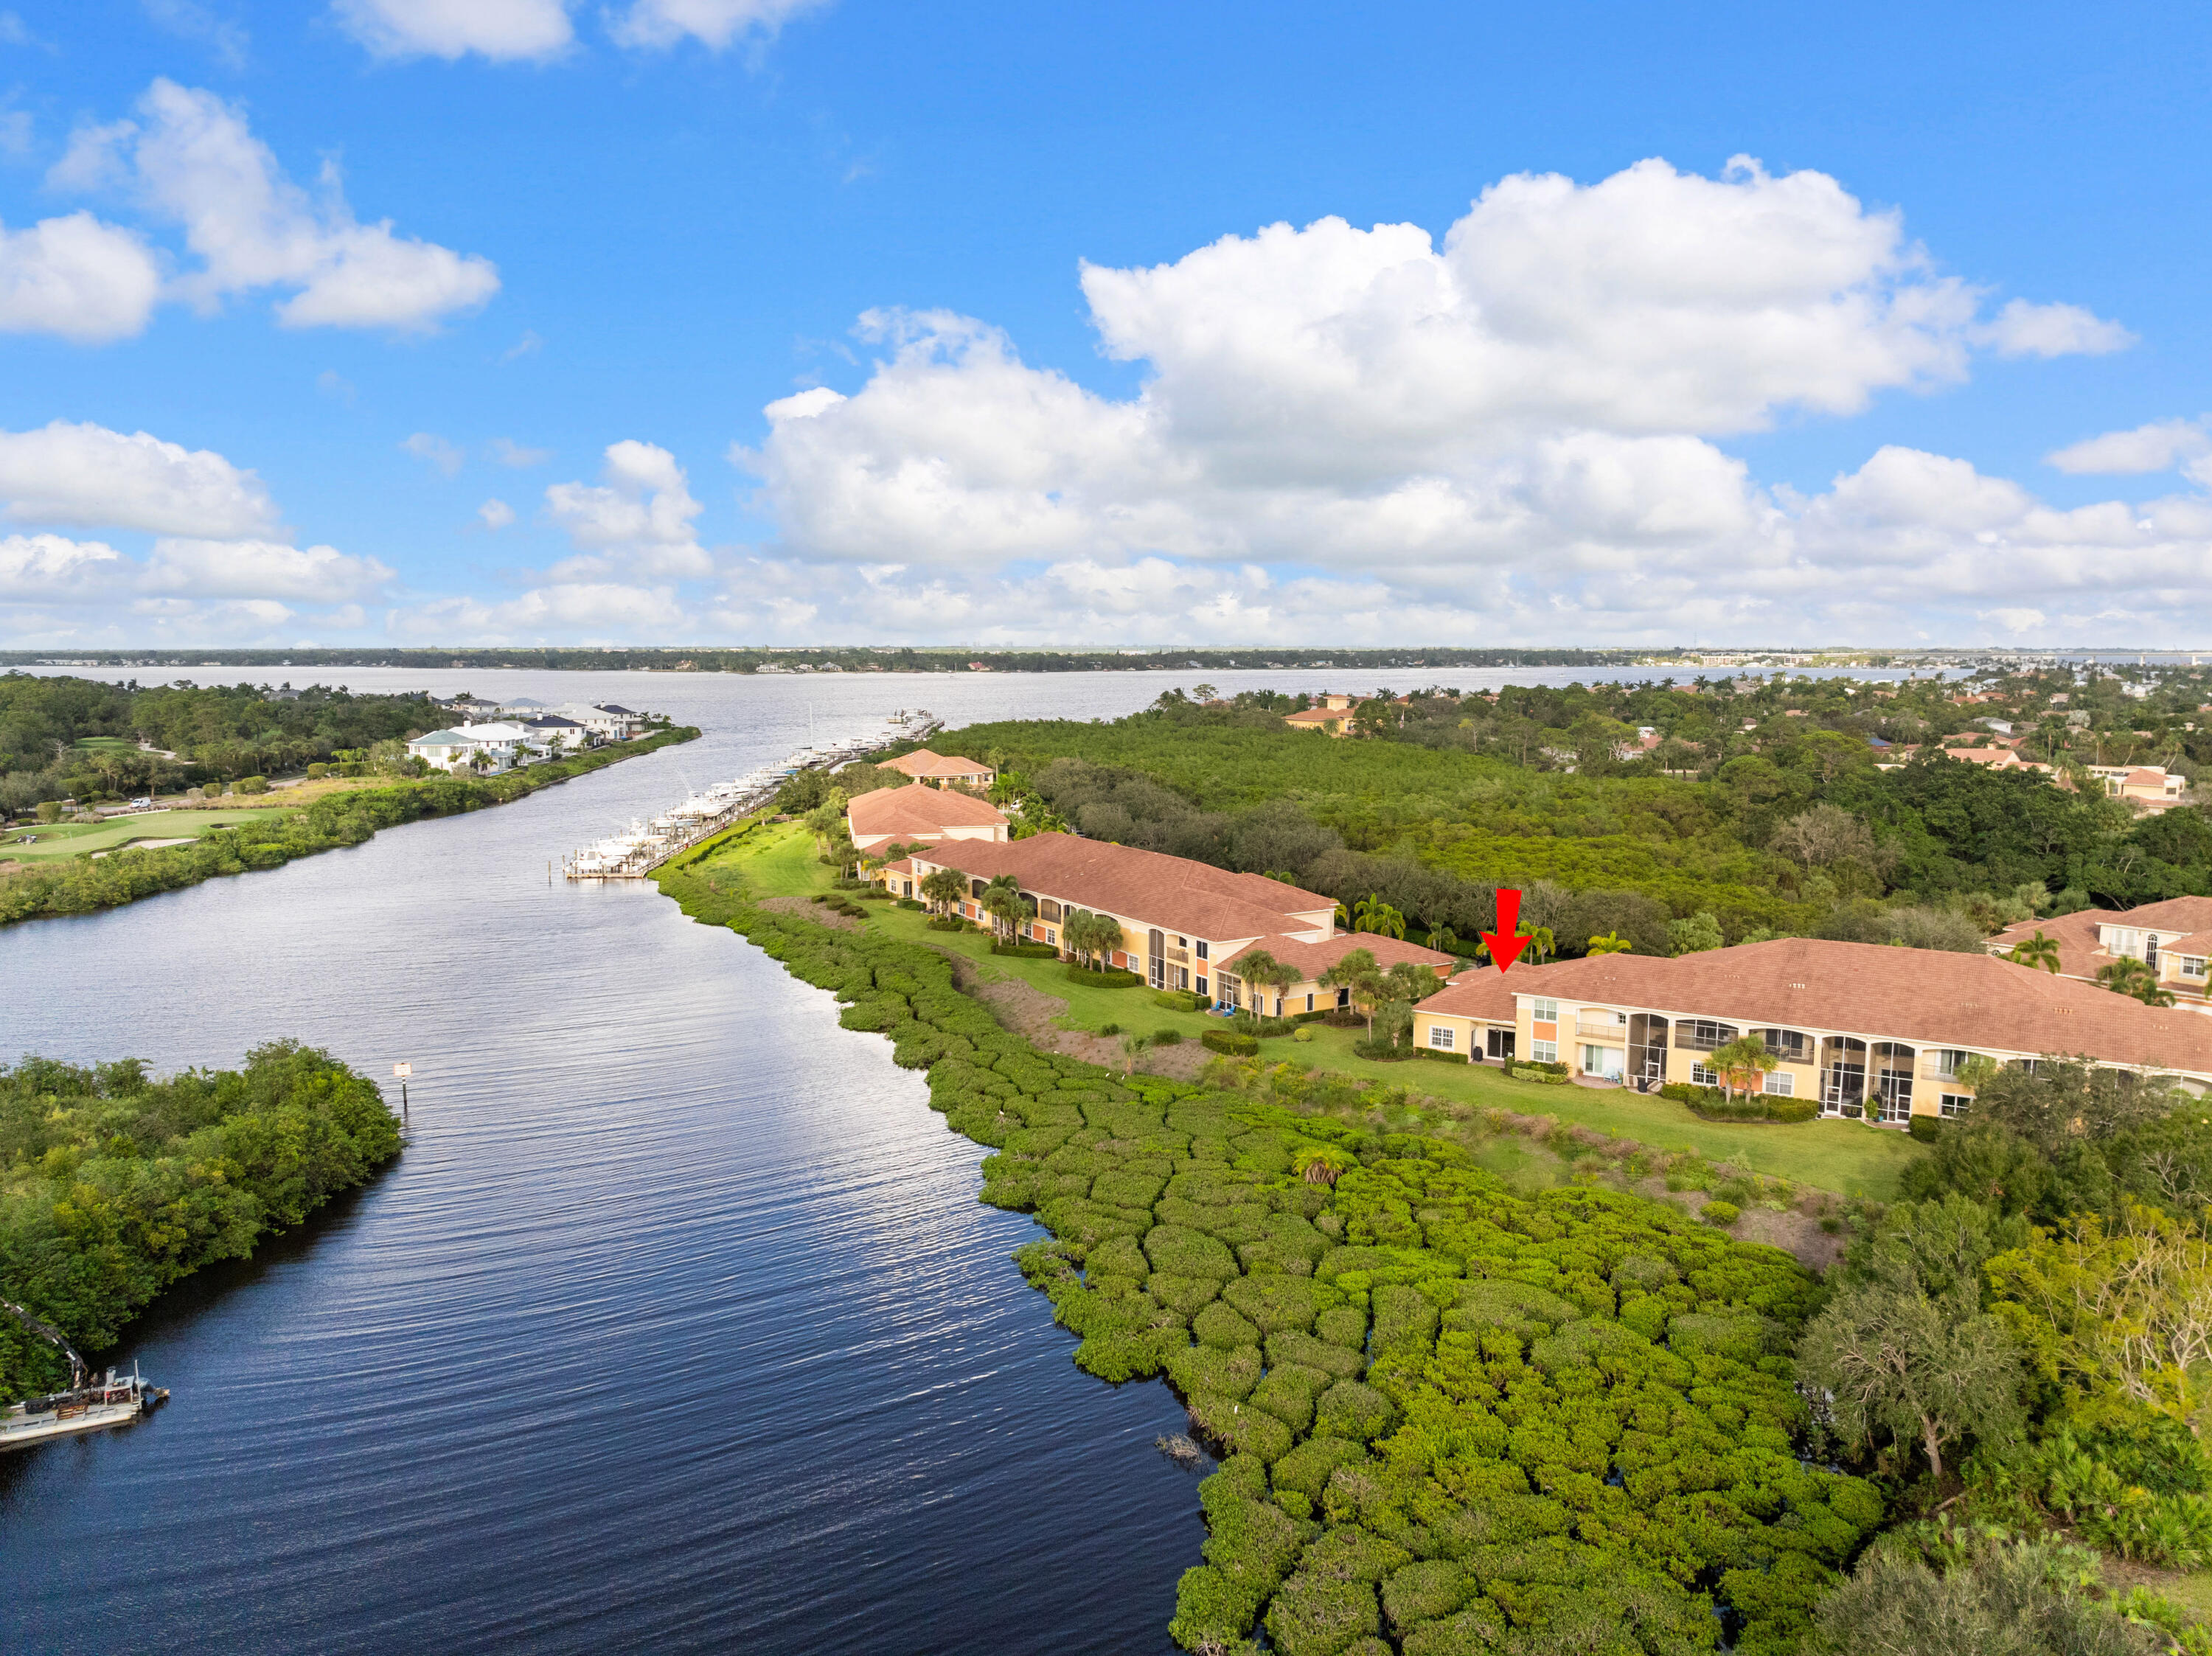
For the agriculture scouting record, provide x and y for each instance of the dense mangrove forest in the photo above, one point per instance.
(1456, 1412)
(114, 1184)
(1420, 1382)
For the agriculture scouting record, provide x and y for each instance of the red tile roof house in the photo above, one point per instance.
(918, 814)
(1859, 1026)
(938, 769)
(1184, 923)
(2173, 937)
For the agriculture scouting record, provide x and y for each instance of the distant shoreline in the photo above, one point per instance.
(84, 885)
(856, 658)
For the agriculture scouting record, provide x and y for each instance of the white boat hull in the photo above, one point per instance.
(20, 1432)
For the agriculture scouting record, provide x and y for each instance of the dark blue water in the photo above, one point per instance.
(678, 1327)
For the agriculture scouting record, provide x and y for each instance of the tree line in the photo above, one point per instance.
(1804, 834)
(115, 1184)
(62, 738)
(84, 885)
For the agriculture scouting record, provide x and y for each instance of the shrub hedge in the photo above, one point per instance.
(1475, 1418)
(1031, 951)
(1229, 1042)
(1714, 1105)
(1112, 977)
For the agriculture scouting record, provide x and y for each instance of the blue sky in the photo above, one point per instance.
(1811, 400)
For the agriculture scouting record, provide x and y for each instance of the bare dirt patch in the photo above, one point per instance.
(1028, 1012)
(807, 909)
(1793, 1232)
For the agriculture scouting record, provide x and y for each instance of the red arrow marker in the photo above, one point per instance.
(1505, 946)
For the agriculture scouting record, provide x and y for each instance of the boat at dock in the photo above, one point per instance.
(87, 1404)
(642, 847)
(115, 1399)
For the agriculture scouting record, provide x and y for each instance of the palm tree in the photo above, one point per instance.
(1002, 902)
(1355, 970)
(944, 887)
(1257, 966)
(1542, 944)
(1371, 913)
(1611, 943)
(1743, 1063)
(1133, 1048)
(1089, 935)
(1441, 939)
(1320, 1164)
(2130, 976)
(2037, 950)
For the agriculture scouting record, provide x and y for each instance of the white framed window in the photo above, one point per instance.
(1544, 1051)
(1953, 1106)
(1309, 1002)
(1594, 1059)
(1051, 936)
(1201, 987)
(1950, 1060)
(1701, 1077)
(1201, 948)
(1543, 1011)
(2191, 966)
(1441, 1037)
(1778, 1085)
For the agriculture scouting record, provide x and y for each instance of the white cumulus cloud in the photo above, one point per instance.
(50, 568)
(261, 570)
(86, 476)
(2158, 446)
(592, 611)
(715, 23)
(1516, 430)
(496, 513)
(2024, 329)
(640, 519)
(191, 159)
(76, 277)
(502, 30)
(435, 453)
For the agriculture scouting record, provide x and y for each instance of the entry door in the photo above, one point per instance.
(1156, 956)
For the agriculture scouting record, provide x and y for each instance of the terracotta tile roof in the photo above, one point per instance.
(1310, 960)
(1921, 996)
(922, 763)
(2080, 954)
(2173, 914)
(917, 808)
(1173, 893)
(1318, 716)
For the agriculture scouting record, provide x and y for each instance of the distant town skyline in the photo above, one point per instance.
(396, 323)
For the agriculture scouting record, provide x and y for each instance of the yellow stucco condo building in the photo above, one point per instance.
(1861, 1028)
(1184, 923)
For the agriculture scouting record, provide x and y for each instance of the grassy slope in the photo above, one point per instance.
(1844, 1157)
(75, 839)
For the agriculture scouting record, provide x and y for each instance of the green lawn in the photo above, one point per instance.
(64, 839)
(1844, 1157)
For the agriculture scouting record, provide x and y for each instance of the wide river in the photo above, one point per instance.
(676, 1327)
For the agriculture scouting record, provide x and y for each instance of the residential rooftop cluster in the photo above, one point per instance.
(1867, 1031)
(496, 737)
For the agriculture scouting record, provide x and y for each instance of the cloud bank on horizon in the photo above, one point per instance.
(1517, 431)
